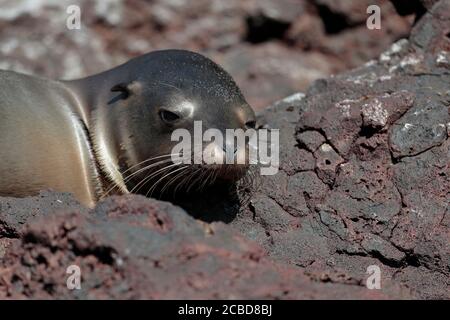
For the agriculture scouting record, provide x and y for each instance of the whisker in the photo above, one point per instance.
(149, 159)
(167, 185)
(195, 181)
(151, 175)
(130, 176)
(148, 177)
(209, 173)
(162, 178)
(215, 175)
(146, 168)
(186, 180)
(125, 180)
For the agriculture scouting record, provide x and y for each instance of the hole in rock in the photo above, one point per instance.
(407, 7)
(262, 29)
(333, 22)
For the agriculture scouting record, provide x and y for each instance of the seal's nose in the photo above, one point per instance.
(250, 124)
(230, 146)
(246, 117)
(230, 150)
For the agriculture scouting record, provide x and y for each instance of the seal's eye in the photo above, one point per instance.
(169, 117)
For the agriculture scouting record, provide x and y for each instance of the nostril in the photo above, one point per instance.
(251, 124)
(225, 149)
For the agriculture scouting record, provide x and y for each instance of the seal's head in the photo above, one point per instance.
(165, 91)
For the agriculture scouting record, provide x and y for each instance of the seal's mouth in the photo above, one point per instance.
(184, 171)
(225, 172)
(169, 177)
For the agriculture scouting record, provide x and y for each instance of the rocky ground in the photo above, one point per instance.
(272, 48)
(364, 180)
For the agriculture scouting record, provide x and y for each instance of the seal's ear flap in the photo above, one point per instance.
(127, 89)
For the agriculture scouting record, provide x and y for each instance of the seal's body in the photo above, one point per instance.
(42, 140)
(90, 135)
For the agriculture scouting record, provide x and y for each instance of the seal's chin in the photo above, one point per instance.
(162, 179)
(227, 172)
(162, 174)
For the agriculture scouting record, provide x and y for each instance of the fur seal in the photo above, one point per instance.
(110, 132)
